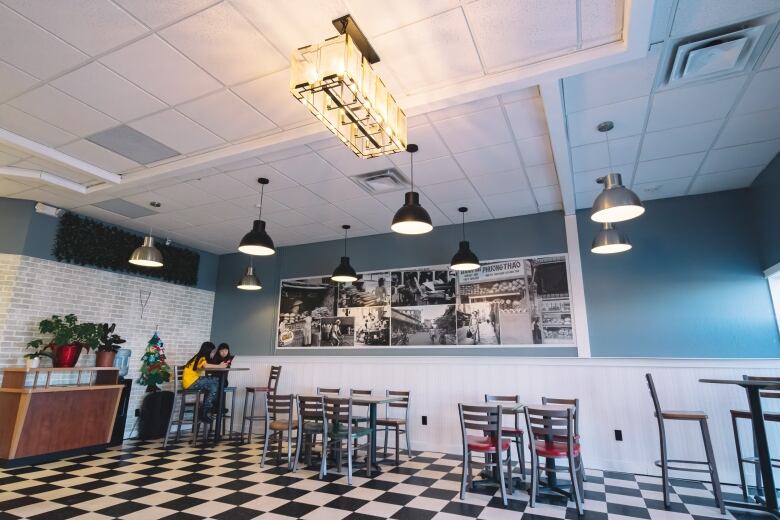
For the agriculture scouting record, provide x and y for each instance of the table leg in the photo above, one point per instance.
(762, 447)
(220, 406)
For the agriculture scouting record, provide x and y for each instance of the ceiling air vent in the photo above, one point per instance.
(382, 181)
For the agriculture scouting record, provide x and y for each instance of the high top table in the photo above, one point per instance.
(753, 389)
(222, 374)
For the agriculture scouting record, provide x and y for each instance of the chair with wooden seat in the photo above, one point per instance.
(340, 433)
(551, 436)
(678, 415)
(514, 432)
(188, 403)
(399, 425)
(486, 420)
(745, 414)
(278, 420)
(311, 422)
(249, 406)
(361, 411)
(576, 404)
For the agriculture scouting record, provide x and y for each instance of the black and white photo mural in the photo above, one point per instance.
(513, 302)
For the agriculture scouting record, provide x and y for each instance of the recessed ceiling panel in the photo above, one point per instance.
(132, 144)
(124, 208)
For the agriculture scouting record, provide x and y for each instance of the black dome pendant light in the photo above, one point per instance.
(464, 259)
(257, 242)
(344, 272)
(412, 219)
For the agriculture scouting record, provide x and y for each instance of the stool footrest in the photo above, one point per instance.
(680, 461)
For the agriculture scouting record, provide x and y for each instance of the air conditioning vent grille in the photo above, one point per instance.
(382, 181)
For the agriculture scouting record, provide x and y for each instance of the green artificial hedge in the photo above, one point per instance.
(84, 241)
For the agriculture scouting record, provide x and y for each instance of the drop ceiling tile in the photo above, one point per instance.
(357, 228)
(477, 211)
(98, 156)
(585, 199)
(32, 49)
(329, 142)
(100, 214)
(348, 163)
(697, 15)
(238, 165)
(450, 191)
(223, 186)
(176, 131)
(669, 168)
(464, 108)
(772, 59)
(297, 197)
(749, 128)
(628, 116)
(225, 44)
(51, 197)
(594, 156)
(509, 32)
(280, 152)
(226, 115)
(252, 202)
(662, 190)
(271, 96)
(492, 159)
(413, 52)
(527, 118)
(586, 181)
(224, 210)
(15, 81)
(510, 204)
(434, 171)
(307, 168)
(520, 95)
(496, 183)
(249, 177)
(337, 191)
(10, 156)
(374, 18)
(680, 140)
(187, 194)
(761, 94)
(289, 218)
(323, 212)
(548, 195)
(542, 175)
(430, 145)
(723, 181)
(169, 76)
(611, 85)
(162, 222)
(735, 157)
(63, 111)
(33, 128)
(100, 88)
(156, 14)
(535, 151)
(167, 203)
(93, 27)
(474, 130)
(195, 217)
(694, 104)
(602, 21)
(10, 187)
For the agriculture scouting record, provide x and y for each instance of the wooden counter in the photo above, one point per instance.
(43, 419)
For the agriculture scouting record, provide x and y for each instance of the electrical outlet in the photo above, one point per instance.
(425, 420)
(137, 412)
(618, 435)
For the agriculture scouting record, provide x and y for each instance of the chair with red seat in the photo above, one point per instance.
(515, 433)
(487, 421)
(576, 404)
(551, 436)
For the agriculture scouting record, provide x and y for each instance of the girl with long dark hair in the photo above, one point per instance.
(193, 378)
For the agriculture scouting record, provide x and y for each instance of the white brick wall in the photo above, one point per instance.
(32, 289)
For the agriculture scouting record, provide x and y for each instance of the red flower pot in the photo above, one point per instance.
(66, 356)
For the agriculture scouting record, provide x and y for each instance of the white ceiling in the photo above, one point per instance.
(210, 79)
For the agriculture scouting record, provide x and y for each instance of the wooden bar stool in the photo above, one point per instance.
(699, 417)
(400, 425)
(249, 409)
(745, 414)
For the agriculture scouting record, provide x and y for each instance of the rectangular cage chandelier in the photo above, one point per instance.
(335, 81)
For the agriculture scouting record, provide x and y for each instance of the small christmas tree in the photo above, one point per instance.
(154, 370)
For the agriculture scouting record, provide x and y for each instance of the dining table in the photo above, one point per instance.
(221, 375)
(767, 503)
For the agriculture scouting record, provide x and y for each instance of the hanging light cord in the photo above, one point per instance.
(412, 162)
(609, 152)
(345, 242)
(463, 224)
(262, 190)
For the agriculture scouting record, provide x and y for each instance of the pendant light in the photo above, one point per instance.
(344, 272)
(257, 242)
(412, 219)
(147, 255)
(464, 259)
(616, 203)
(249, 281)
(610, 240)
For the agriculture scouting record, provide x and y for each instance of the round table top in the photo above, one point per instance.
(743, 382)
(226, 369)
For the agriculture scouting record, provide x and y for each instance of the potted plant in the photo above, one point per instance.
(108, 345)
(68, 338)
(33, 359)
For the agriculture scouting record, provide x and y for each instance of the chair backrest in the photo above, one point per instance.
(273, 379)
(568, 402)
(311, 409)
(354, 392)
(484, 419)
(278, 405)
(328, 391)
(513, 399)
(656, 404)
(773, 392)
(403, 403)
(550, 423)
(338, 412)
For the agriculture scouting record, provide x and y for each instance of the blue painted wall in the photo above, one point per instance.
(25, 232)
(246, 320)
(692, 286)
(765, 193)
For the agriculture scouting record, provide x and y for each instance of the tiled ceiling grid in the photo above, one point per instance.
(708, 136)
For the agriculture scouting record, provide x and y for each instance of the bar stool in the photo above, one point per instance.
(248, 415)
(185, 406)
(576, 404)
(745, 414)
(399, 424)
(514, 433)
(699, 417)
(278, 420)
(231, 413)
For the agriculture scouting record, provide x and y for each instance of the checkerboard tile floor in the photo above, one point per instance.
(140, 480)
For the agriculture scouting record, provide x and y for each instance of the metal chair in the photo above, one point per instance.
(328, 391)
(248, 415)
(745, 414)
(278, 420)
(514, 433)
(311, 422)
(576, 404)
(186, 405)
(701, 418)
(487, 421)
(340, 428)
(551, 436)
(399, 424)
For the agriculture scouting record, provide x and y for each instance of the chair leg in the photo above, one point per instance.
(509, 469)
(575, 484)
(195, 423)
(705, 432)
(740, 464)
(665, 471)
(324, 461)
(266, 442)
(369, 458)
(251, 420)
(397, 445)
(408, 443)
(299, 438)
(466, 471)
(350, 449)
(232, 413)
(244, 416)
(289, 449)
(757, 465)
(500, 475)
(534, 478)
(471, 473)
(520, 456)
(582, 468)
(387, 432)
